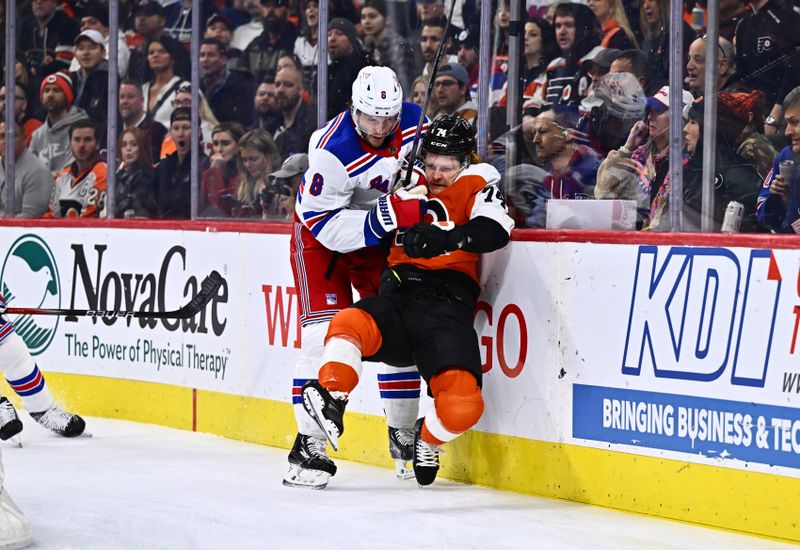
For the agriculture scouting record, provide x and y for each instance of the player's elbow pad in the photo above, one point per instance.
(483, 234)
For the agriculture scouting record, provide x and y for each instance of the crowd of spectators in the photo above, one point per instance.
(592, 85)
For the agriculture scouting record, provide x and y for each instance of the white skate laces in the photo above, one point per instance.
(60, 421)
(7, 412)
(427, 454)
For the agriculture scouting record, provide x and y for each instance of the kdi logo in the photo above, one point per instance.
(29, 278)
(696, 312)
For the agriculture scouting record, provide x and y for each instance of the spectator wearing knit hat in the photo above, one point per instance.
(347, 59)
(735, 179)
(50, 142)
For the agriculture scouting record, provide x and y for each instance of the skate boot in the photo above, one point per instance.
(10, 424)
(426, 457)
(309, 465)
(327, 410)
(401, 449)
(60, 421)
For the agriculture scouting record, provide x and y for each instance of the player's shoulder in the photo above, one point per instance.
(409, 116)
(479, 175)
(339, 138)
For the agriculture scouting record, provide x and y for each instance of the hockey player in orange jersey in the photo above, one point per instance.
(79, 190)
(423, 313)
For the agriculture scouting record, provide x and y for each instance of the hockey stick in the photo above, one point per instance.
(434, 69)
(207, 291)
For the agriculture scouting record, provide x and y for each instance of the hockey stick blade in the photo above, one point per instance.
(208, 289)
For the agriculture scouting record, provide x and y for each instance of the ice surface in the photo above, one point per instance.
(136, 486)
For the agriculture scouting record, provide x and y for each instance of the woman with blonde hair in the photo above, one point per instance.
(654, 20)
(258, 156)
(617, 32)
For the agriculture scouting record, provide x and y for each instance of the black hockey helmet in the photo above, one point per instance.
(450, 135)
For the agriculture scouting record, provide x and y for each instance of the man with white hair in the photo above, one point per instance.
(345, 215)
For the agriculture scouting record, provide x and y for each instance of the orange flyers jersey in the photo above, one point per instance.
(77, 195)
(475, 193)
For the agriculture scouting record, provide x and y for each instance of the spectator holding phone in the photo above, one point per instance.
(639, 170)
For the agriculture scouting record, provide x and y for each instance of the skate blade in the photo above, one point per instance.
(16, 440)
(86, 433)
(313, 404)
(402, 470)
(306, 479)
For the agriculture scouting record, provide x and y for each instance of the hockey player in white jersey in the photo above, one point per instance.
(342, 214)
(25, 378)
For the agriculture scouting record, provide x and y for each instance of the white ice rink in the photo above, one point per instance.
(136, 486)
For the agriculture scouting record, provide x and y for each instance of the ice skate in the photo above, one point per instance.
(426, 457)
(309, 465)
(327, 410)
(401, 449)
(10, 424)
(60, 421)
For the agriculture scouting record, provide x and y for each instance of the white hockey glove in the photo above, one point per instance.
(417, 175)
(398, 210)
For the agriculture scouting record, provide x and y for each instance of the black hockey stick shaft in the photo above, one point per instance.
(434, 69)
(208, 289)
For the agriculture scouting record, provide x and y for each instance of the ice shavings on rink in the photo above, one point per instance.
(137, 486)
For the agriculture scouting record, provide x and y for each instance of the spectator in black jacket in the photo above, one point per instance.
(46, 39)
(347, 58)
(577, 32)
(133, 115)
(91, 86)
(136, 191)
(766, 55)
(173, 173)
(228, 92)
(150, 18)
(293, 125)
(261, 55)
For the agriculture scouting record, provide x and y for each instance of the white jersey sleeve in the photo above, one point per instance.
(489, 202)
(326, 204)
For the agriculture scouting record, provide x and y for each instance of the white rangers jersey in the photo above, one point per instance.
(346, 177)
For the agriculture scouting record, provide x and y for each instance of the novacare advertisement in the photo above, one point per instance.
(126, 270)
(244, 342)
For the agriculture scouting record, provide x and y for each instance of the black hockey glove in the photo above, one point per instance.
(428, 241)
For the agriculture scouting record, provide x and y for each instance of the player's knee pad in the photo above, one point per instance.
(359, 327)
(458, 400)
(341, 365)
